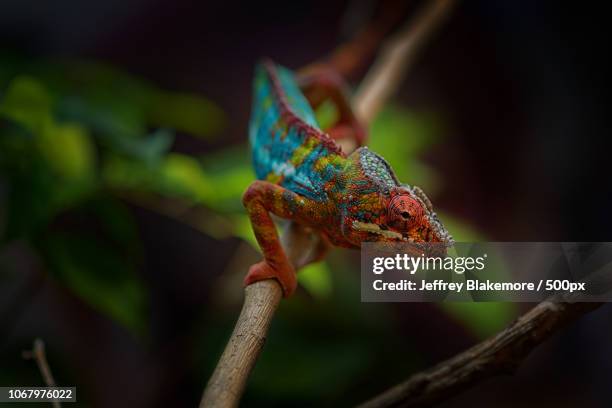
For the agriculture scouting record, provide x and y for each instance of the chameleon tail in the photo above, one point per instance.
(325, 80)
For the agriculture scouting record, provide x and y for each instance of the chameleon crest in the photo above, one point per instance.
(304, 176)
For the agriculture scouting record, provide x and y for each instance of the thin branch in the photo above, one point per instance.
(396, 57)
(261, 300)
(500, 354)
(229, 379)
(38, 354)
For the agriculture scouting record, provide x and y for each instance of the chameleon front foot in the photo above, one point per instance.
(284, 275)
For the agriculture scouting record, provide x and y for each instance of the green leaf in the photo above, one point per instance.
(316, 279)
(98, 263)
(32, 201)
(132, 103)
(396, 126)
(177, 175)
(327, 114)
(112, 102)
(186, 175)
(27, 102)
(187, 113)
(229, 187)
(460, 230)
(117, 223)
(16, 144)
(50, 166)
(109, 119)
(68, 150)
(399, 135)
(99, 275)
(230, 173)
(149, 149)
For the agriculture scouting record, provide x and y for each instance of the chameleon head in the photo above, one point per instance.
(409, 217)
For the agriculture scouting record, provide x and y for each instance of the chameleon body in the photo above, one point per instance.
(304, 176)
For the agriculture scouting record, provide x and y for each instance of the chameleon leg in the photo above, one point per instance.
(318, 252)
(261, 199)
(320, 83)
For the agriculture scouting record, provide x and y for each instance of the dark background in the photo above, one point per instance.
(524, 158)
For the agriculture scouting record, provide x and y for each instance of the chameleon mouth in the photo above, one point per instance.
(432, 249)
(375, 229)
(443, 235)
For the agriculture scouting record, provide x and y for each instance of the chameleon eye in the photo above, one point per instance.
(405, 212)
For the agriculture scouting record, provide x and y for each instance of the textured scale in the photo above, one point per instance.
(287, 152)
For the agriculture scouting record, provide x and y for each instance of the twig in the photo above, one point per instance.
(38, 354)
(500, 354)
(397, 55)
(261, 300)
(228, 381)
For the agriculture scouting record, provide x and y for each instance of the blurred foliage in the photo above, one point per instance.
(78, 139)
(316, 279)
(72, 136)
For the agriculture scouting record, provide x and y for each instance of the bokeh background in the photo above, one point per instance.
(123, 157)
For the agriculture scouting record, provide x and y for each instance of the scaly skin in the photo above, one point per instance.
(305, 177)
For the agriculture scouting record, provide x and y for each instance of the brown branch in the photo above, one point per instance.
(396, 57)
(500, 354)
(352, 57)
(261, 300)
(228, 381)
(38, 354)
(229, 378)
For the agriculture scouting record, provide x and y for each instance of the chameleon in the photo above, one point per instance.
(304, 176)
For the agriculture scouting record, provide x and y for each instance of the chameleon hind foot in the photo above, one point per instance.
(284, 275)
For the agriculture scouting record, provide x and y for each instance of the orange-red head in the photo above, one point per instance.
(377, 207)
(408, 217)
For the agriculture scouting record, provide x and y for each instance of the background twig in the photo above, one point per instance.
(397, 55)
(500, 354)
(38, 354)
(228, 381)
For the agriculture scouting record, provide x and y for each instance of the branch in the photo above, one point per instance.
(500, 354)
(38, 353)
(228, 381)
(261, 300)
(397, 56)
(229, 378)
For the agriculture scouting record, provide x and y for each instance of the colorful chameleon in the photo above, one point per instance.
(304, 176)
